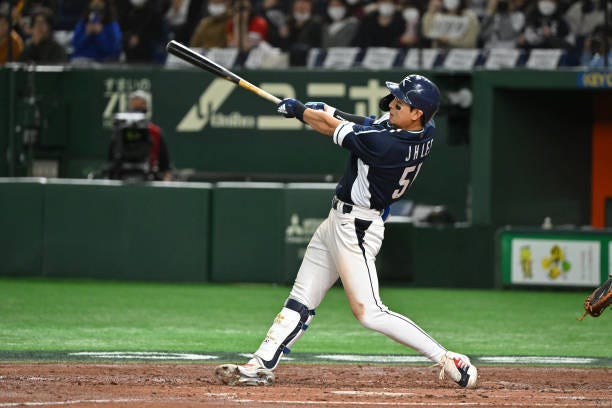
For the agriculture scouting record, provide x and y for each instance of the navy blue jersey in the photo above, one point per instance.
(384, 161)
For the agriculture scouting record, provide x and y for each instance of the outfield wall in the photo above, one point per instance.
(199, 232)
(104, 230)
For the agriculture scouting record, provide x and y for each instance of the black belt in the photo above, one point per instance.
(346, 208)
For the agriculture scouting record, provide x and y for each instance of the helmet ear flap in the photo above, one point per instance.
(384, 102)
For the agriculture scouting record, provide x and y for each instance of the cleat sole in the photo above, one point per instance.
(230, 374)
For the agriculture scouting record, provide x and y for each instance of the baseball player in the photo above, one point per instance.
(386, 156)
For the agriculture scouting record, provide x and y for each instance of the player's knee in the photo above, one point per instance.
(303, 310)
(368, 317)
(371, 317)
(369, 321)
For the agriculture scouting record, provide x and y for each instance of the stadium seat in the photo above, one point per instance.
(380, 58)
(425, 58)
(497, 58)
(461, 58)
(544, 58)
(341, 57)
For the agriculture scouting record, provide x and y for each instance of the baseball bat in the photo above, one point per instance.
(200, 61)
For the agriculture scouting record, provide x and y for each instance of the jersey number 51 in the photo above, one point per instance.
(410, 173)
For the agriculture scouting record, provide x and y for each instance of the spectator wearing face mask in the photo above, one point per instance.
(503, 23)
(546, 28)
(304, 32)
(382, 27)
(341, 27)
(275, 14)
(97, 35)
(211, 31)
(451, 24)
(411, 12)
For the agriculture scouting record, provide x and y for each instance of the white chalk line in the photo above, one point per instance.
(405, 404)
(71, 402)
(145, 355)
(356, 358)
(537, 360)
(376, 393)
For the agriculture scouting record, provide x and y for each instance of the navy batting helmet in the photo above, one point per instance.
(418, 92)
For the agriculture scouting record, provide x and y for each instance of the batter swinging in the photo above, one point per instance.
(385, 158)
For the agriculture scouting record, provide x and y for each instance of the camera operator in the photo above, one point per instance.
(138, 146)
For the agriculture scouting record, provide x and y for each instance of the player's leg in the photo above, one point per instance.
(357, 271)
(317, 273)
(315, 276)
(288, 326)
(358, 274)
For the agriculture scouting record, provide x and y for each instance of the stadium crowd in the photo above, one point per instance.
(136, 31)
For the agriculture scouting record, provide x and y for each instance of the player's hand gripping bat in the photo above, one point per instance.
(200, 61)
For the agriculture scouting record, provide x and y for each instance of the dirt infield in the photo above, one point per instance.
(193, 385)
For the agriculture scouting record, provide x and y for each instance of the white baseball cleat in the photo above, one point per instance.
(247, 374)
(459, 368)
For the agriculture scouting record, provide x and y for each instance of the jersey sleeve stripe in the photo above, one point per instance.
(341, 131)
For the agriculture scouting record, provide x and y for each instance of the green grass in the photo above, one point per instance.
(38, 315)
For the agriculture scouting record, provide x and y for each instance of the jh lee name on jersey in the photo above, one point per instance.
(418, 151)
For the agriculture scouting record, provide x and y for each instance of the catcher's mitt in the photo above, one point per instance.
(597, 301)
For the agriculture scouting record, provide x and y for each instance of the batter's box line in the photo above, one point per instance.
(221, 357)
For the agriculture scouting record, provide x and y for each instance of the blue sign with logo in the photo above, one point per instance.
(595, 79)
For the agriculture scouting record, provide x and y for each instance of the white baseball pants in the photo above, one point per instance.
(345, 246)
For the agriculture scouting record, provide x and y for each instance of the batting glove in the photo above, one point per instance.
(315, 105)
(369, 120)
(291, 108)
(330, 110)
